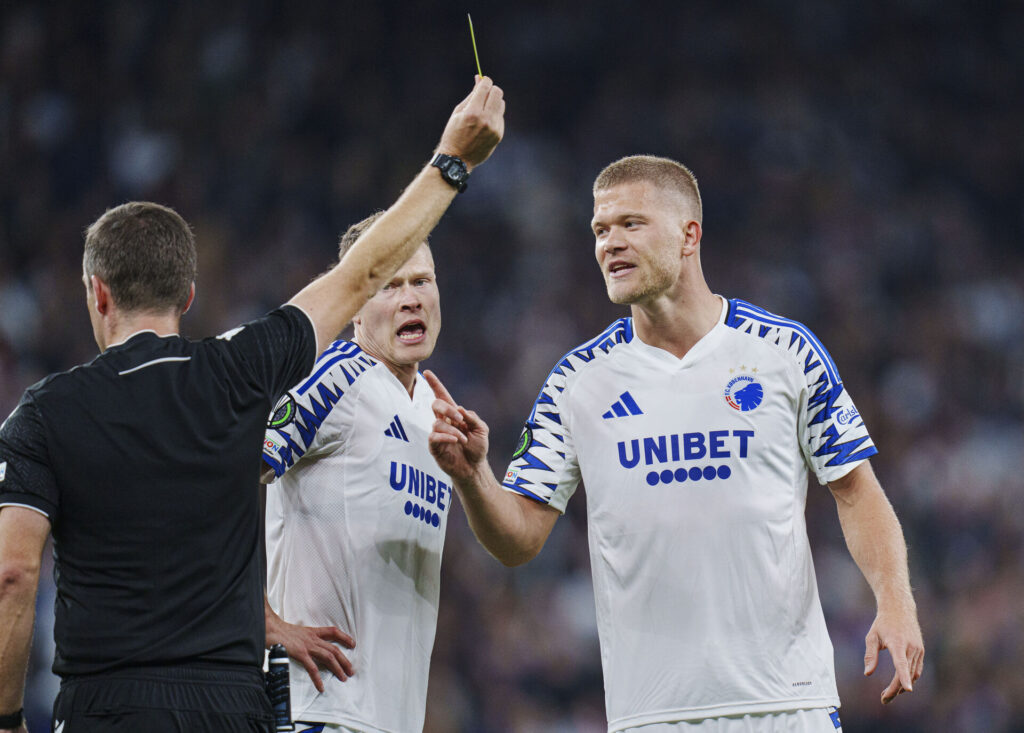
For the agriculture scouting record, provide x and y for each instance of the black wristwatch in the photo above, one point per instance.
(12, 720)
(452, 170)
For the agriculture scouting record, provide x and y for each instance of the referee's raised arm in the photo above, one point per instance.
(473, 131)
(141, 465)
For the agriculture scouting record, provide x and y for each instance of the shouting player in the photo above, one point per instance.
(356, 519)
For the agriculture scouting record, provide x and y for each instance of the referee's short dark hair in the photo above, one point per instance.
(146, 253)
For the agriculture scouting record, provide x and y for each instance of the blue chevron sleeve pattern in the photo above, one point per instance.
(295, 428)
(832, 434)
(544, 466)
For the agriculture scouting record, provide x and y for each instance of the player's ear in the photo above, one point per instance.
(691, 237)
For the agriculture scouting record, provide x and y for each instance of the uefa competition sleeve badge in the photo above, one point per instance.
(284, 413)
(744, 393)
(525, 441)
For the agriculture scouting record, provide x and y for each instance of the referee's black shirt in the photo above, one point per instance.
(146, 461)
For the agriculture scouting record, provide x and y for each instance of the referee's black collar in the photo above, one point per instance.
(132, 336)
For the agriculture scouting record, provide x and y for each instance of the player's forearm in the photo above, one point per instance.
(499, 519)
(270, 620)
(18, 584)
(875, 540)
(334, 298)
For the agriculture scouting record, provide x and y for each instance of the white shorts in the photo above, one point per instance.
(323, 728)
(814, 720)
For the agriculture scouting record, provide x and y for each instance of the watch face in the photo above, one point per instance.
(452, 169)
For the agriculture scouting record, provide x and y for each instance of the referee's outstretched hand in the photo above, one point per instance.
(459, 438)
(312, 647)
(477, 124)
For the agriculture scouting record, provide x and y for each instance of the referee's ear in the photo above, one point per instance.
(101, 293)
(191, 297)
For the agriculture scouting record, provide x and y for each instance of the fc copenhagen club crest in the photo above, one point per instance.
(744, 393)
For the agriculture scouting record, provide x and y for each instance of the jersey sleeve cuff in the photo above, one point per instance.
(554, 502)
(276, 466)
(834, 473)
(312, 328)
(28, 501)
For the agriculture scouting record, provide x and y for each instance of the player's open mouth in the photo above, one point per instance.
(412, 332)
(620, 269)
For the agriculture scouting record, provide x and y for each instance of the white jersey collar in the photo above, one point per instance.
(706, 343)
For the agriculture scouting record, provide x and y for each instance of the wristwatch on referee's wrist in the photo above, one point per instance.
(453, 170)
(12, 720)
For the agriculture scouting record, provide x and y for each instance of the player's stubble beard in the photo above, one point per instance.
(653, 282)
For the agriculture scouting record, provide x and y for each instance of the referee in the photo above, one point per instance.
(143, 465)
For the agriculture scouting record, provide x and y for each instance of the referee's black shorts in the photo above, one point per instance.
(171, 699)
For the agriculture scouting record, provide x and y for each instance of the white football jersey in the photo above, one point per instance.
(696, 476)
(355, 528)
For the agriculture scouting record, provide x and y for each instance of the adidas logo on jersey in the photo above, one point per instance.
(623, 407)
(395, 430)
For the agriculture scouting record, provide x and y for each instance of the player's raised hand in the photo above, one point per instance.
(312, 647)
(477, 124)
(900, 633)
(459, 438)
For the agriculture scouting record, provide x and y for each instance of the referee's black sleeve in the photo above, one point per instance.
(26, 478)
(277, 350)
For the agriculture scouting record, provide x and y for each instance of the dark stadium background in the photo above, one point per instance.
(862, 165)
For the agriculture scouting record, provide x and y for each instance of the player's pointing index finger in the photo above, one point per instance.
(439, 389)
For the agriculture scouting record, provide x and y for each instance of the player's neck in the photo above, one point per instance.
(119, 326)
(676, 322)
(404, 373)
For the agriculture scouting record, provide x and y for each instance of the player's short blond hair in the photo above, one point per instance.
(664, 173)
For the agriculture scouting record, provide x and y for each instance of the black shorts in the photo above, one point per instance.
(165, 700)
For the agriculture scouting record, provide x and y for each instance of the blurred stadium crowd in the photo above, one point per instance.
(862, 166)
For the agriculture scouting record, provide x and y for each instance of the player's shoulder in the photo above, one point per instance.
(743, 314)
(789, 337)
(343, 363)
(594, 352)
(337, 371)
(340, 366)
(601, 346)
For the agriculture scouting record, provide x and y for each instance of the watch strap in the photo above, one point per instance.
(12, 720)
